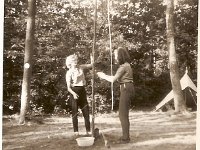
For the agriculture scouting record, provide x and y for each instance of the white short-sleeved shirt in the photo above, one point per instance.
(76, 77)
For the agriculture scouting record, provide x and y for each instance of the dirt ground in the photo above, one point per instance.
(149, 131)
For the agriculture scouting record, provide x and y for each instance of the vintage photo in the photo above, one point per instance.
(100, 74)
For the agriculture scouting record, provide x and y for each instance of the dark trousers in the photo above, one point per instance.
(127, 93)
(81, 103)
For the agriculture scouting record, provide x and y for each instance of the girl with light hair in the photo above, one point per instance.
(71, 59)
(76, 82)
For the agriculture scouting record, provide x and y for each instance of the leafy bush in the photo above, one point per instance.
(137, 25)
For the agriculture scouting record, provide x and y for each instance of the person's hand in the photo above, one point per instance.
(75, 95)
(100, 74)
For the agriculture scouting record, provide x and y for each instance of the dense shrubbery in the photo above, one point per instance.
(63, 27)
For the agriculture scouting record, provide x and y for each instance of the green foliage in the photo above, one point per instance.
(186, 36)
(64, 27)
(14, 34)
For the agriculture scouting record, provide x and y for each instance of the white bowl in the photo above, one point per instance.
(85, 141)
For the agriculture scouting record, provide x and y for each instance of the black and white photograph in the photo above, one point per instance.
(100, 74)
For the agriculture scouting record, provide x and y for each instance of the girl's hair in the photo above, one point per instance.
(123, 56)
(71, 59)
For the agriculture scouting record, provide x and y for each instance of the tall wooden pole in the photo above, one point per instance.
(93, 69)
(111, 60)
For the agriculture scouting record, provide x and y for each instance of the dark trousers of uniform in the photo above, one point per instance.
(81, 103)
(127, 93)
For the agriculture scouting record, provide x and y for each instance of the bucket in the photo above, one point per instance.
(85, 141)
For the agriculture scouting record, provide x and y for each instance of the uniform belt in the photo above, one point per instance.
(124, 84)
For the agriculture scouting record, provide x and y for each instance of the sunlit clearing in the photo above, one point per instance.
(190, 139)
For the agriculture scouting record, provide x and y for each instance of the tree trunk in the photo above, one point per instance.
(25, 93)
(179, 102)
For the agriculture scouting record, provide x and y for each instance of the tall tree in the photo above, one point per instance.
(179, 102)
(29, 43)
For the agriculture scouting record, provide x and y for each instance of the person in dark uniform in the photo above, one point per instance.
(124, 76)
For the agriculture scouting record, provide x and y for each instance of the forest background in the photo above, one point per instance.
(66, 27)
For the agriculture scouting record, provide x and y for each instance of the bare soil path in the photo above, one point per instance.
(149, 131)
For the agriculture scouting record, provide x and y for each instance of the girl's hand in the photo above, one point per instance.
(75, 95)
(100, 74)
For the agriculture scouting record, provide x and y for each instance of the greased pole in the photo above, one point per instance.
(111, 60)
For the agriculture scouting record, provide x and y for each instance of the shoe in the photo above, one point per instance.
(123, 141)
(88, 133)
(76, 133)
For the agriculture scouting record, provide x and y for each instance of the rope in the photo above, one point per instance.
(81, 110)
(192, 96)
(111, 61)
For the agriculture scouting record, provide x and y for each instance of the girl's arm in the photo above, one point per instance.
(88, 66)
(69, 86)
(71, 91)
(107, 77)
(85, 66)
(119, 73)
